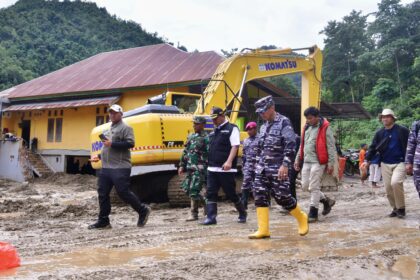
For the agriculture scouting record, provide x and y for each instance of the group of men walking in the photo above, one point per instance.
(269, 165)
(271, 160)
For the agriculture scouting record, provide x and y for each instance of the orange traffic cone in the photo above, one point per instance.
(8, 256)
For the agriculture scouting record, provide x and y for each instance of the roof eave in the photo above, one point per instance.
(105, 91)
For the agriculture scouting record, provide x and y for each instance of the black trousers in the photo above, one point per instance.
(226, 180)
(120, 178)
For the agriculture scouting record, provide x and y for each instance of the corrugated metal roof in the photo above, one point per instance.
(63, 104)
(345, 111)
(136, 67)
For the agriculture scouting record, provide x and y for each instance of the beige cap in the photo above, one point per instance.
(116, 108)
(387, 112)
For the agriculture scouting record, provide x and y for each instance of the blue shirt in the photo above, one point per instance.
(394, 152)
(376, 159)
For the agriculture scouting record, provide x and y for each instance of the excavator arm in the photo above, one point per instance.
(226, 85)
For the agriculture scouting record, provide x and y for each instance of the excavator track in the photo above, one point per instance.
(176, 196)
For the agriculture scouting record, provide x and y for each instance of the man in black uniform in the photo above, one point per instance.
(223, 151)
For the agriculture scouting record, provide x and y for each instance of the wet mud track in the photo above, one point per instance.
(47, 222)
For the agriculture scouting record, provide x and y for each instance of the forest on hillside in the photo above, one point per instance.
(38, 37)
(374, 59)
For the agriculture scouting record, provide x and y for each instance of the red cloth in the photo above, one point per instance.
(8, 256)
(321, 142)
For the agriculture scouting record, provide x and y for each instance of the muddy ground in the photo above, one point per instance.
(47, 222)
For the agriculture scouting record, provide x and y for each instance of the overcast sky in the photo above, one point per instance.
(225, 24)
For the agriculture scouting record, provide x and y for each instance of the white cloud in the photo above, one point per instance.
(218, 24)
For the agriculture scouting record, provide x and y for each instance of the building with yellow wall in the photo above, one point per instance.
(60, 109)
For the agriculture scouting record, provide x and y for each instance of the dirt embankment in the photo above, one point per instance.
(47, 221)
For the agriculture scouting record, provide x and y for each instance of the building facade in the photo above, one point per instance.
(55, 113)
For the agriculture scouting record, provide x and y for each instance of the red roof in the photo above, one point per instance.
(136, 67)
(63, 104)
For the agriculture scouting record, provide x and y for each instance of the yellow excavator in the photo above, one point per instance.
(161, 127)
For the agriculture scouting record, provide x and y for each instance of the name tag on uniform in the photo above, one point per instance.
(275, 132)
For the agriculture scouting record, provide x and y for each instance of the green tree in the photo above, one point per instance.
(386, 70)
(345, 41)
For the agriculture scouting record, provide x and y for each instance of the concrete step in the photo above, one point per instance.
(40, 168)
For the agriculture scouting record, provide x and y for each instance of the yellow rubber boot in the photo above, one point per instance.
(263, 218)
(302, 220)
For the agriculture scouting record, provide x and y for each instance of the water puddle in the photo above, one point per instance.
(406, 265)
(11, 215)
(283, 244)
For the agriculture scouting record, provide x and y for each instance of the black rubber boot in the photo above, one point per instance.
(328, 204)
(244, 198)
(242, 212)
(100, 224)
(401, 213)
(211, 214)
(313, 214)
(143, 216)
(393, 213)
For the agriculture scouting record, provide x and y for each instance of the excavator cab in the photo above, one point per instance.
(185, 102)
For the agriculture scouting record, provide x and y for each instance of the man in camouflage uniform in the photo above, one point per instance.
(274, 159)
(249, 159)
(194, 163)
(412, 157)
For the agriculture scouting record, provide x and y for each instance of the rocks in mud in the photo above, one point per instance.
(25, 189)
(71, 211)
(80, 182)
(9, 206)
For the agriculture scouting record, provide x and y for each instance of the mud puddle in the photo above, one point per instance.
(47, 223)
(292, 248)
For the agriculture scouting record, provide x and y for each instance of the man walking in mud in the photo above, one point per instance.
(276, 144)
(317, 153)
(391, 144)
(249, 159)
(223, 152)
(116, 169)
(194, 164)
(412, 158)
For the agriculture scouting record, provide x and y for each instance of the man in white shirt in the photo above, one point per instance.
(223, 152)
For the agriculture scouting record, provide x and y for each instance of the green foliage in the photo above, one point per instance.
(373, 104)
(38, 37)
(376, 63)
(385, 89)
(353, 133)
(286, 83)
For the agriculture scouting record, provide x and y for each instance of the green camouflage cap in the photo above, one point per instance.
(199, 119)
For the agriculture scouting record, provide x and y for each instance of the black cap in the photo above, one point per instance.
(215, 112)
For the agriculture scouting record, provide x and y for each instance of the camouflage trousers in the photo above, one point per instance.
(193, 184)
(416, 177)
(249, 178)
(267, 183)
